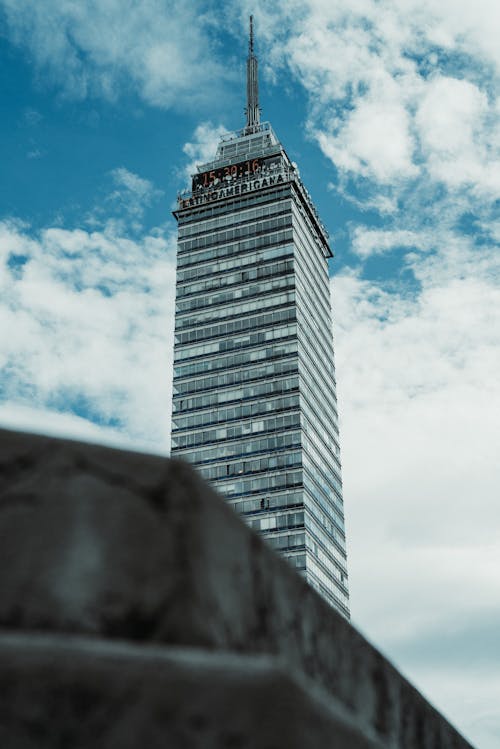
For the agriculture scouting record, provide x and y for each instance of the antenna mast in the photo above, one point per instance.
(252, 109)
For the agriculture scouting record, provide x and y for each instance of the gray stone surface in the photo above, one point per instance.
(122, 545)
(60, 692)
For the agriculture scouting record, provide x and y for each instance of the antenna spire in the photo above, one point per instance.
(252, 110)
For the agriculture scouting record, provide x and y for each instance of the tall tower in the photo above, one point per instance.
(254, 405)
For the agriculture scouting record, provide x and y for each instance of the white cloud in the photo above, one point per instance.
(398, 92)
(480, 698)
(375, 123)
(132, 192)
(449, 114)
(366, 242)
(203, 147)
(85, 331)
(65, 424)
(32, 117)
(385, 205)
(373, 140)
(456, 130)
(136, 185)
(420, 405)
(34, 154)
(157, 48)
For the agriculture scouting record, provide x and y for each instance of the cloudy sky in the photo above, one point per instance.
(392, 111)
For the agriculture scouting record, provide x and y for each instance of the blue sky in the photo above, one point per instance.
(391, 110)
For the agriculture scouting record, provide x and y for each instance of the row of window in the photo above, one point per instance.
(314, 299)
(256, 465)
(242, 261)
(327, 581)
(310, 315)
(249, 145)
(336, 550)
(312, 256)
(324, 390)
(287, 541)
(322, 359)
(298, 207)
(320, 252)
(233, 218)
(316, 302)
(236, 360)
(278, 521)
(271, 502)
(325, 462)
(234, 279)
(328, 497)
(260, 484)
(326, 479)
(325, 431)
(267, 370)
(317, 448)
(313, 327)
(231, 344)
(198, 319)
(318, 330)
(321, 524)
(235, 206)
(318, 350)
(227, 250)
(240, 292)
(236, 234)
(272, 424)
(233, 413)
(326, 446)
(315, 400)
(326, 560)
(325, 502)
(203, 270)
(214, 399)
(321, 421)
(319, 533)
(322, 438)
(298, 561)
(227, 450)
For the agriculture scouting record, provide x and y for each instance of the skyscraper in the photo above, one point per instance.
(254, 405)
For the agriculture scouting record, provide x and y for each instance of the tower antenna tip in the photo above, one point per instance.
(252, 109)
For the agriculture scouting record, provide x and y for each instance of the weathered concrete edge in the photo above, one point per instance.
(221, 587)
(119, 677)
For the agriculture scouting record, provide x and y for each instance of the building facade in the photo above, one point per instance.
(254, 404)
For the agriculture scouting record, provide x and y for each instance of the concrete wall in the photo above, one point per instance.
(137, 609)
